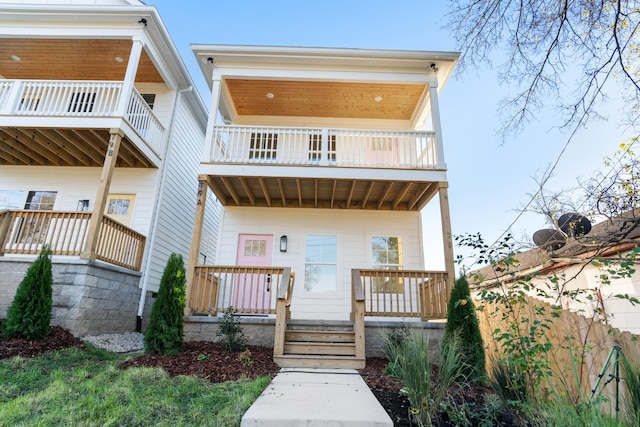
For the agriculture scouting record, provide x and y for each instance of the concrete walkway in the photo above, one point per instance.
(316, 397)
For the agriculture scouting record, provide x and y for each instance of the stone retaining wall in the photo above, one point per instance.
(89, 297)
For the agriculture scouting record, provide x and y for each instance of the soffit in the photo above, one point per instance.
(323, 99)
(71, 59)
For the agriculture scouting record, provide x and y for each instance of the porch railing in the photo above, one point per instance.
(403, 293)
(62, 97)
(27, 231)
(141, 118)
(71, 98)
(283, 310)
(325, 147)
(249, 290)
(120, 245)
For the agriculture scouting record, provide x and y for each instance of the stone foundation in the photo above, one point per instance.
(260, 330)
(89, 297)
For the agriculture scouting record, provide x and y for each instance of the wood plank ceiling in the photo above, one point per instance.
(324, 99)
(64, 147)
(71, 59)
(322, 193)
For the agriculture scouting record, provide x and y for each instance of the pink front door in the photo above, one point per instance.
(252, 291)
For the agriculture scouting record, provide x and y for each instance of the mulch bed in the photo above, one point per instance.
(57, 340)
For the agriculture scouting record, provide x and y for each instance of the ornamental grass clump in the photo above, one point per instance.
(164, 335)
(426, 388)
(29, 315)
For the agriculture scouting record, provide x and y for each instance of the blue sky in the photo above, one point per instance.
(488, 180)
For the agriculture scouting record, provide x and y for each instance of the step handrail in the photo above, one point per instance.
(357, 312)
(283, 310)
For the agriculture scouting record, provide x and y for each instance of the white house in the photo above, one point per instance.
(101, 135)
(322, 160)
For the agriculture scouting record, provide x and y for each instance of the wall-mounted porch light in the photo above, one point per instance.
(83, 205)
(283, 243)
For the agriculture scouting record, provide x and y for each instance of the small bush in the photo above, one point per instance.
(462, 320)
(230, 332)
(164, 335)
(29, 315)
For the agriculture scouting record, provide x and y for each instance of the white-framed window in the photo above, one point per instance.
(320, 268)
(263, 146)
(315, 148)
(386, 254)
(40, 200)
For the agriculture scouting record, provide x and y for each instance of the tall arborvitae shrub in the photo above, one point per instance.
(29, 315)
(462, 321)
(164, 334)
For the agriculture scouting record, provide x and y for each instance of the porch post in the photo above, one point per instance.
(90, 246)
(196, 238)
(130, 76)
(216, 90)
(437, 128)
(447, 239)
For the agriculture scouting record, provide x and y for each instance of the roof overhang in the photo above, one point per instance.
(259, 83)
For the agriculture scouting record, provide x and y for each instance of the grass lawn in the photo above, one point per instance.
(84, 387)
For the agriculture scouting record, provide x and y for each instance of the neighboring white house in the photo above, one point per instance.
(101, 133)
(323, 162)
(578, 273)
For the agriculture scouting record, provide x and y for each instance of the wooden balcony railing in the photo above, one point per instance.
(325, 147)
(402, 293)
(70, 98)
(249, 290)
(26, 231)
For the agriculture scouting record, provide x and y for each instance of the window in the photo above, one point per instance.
(315, 148)
(383, 150)
(320, 269)
(118, 207)
(386, 254)
(381, 144)
(40, 200)
(82, 102)
(255, 247)
(263, 146)
(149, 98)
(33, 229)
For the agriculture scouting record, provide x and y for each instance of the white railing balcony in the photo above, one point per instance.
(70, 98)
(325, 147)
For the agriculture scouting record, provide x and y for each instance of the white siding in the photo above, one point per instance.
(78, 183)
(353, 229)
(163, 102)
(177, 201)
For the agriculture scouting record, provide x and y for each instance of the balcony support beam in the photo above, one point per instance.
(447, 238)
(110, 159)
(437, 128)
(196, 239)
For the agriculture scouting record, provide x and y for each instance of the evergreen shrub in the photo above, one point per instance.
(165, 334)
(29, 315)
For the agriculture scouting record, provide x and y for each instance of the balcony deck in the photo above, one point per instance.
(323, 168)
(67, 123)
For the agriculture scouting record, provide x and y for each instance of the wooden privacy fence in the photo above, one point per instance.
(568, 333)
(26, 231)
(249, 290)
(403, 293)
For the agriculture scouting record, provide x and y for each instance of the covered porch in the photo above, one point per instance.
(376, 295)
